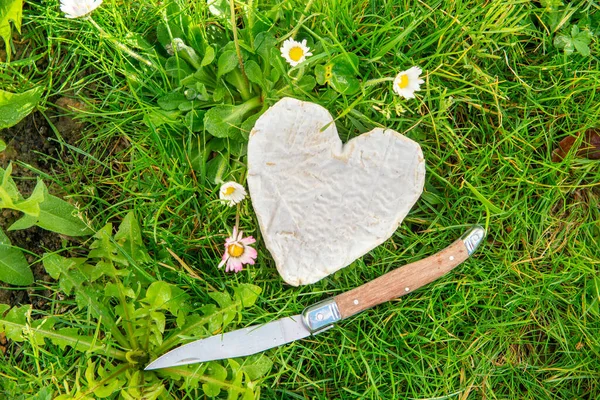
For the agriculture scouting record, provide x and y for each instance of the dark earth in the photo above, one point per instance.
(31, 146)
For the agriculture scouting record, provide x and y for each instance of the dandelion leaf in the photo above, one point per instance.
(16, 106)
(129, 237)
(217, 374)
(14, 268)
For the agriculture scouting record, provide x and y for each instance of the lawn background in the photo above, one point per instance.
(518, 320)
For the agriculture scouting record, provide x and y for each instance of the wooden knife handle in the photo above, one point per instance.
(410, 277)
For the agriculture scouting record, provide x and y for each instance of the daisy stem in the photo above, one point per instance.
(301, 19)
(377, 81)
(237, 45)
(237, 217)
(120, 45)
(251, 20)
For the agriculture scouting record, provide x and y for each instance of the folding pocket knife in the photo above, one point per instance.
(323, 315)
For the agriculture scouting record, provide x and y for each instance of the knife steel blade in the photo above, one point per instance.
(323, 315)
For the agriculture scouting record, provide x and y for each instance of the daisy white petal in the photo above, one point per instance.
(78, 8)
(232, 193)
(295, 52)
(408, 82)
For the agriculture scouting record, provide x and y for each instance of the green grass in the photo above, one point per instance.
(516, 321)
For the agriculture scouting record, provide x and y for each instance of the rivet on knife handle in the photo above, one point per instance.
(394, 284)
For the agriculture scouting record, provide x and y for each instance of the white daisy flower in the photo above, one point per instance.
(232, 193)
(295, 52)
(408, 82)
(78, 8)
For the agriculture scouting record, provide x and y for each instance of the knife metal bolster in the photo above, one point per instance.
(321, 315)
(473, 238)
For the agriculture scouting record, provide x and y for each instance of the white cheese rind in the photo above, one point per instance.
(322, 204)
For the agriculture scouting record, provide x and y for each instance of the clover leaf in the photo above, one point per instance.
(578, 40)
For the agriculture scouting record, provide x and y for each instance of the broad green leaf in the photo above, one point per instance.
(201, 92)
(219, 94)
(213, 319)
(10, 11)
(209, 56)
(323, 73)
(187, 105)
(11, 198)
(238, 147)
(194, 120)
(2, 145)
(340, 74)
(102, 268)
(228, 61)
(143, 386)
(225, 303)
(33, 205)
(576, 40)
(157, 117)
(217, 168)
(236, 387)
(25, 222)
(248, 124)
(263, 43)
(159, 320)
(253, 72)
(171, 101)
(220, 9)
(222, 299)
(166, 33)
(581, 40)
(129, 237)
(104, 247)
(158, 295)
(217, 374)
(68, 337)
(14, 268)
(16, 106)
(226, 120)
(117, 289)
(72, 279)
(14, 322)
(177, 68)
(257, 366)
(45, 393)
(65, 270)
(56, 215)
(344, 84)
(247, 294)
(102, 388)
(307, 83)
(9, 193)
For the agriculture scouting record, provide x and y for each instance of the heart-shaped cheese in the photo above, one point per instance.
(322, 204)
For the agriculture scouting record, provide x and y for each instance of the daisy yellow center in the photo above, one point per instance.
(235, 250)
(229, 191)
(403, 81)
(296, 53)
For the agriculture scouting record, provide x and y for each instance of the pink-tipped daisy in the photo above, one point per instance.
(238, 252)
(407, 82)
